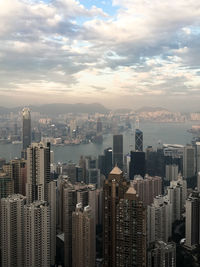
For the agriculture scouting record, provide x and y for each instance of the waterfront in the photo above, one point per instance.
(175, 133)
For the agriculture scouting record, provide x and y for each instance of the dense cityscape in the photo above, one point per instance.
(140, 208)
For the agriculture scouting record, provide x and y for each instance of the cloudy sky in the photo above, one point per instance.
(121, 53)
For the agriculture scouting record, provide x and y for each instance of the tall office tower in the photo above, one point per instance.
(118, 150)
(83, 237)
(147, 188)
(162, 255)
(72, 127)
(38, 171)
(102, 164)
(90, 162)
(79, 174)
(159, 220)
(137, 164)
(99, 126)
(113, 190)
(99, 206)
(177, 194)
(188, 161)
(138, 140)
(130, 231)
(93, 177)
(105, 162)
(197, 156)
(151, 159)
(12, 230)
(198, 182)
(52, 202)
(69, 169)
(127, 160)
(37, 234)
(108, 160)
(26, 127)
(6, 185)
(193, 219)
(16, 169)
(171, 172)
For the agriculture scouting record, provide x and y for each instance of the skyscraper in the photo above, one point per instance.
(114, 189)
(6, 185)
(137, 164)
(16, 169)
(118, 150)
(26, 127)
(147, 188)
(188, 161)
(159, 220)
(171, 172)
(162, 255)
(38, 171)
(70, 195)
(130, 231)
(138, 140)
(108, 160)
(177, 194)
(83, 237)
(193, 219)
(12, 230)
(37, 234)
(52, 203)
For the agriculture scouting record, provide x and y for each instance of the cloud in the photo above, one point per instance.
(147, 48)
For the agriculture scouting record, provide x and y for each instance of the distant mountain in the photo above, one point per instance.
(122, 110)
(150, 109)
(56, 109)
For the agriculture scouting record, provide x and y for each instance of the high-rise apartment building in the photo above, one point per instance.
(171, 172)
(16, 169)
(12, 230)
(118, 150)
(37, 234)
(6, 185)
(177, 194)
(114, 189)
(159, 220)
(38, 172)
(130, 231)
(147, 188)
(137, 164)
(193, 220)
(83, 237)
(69, 195)
(138, 140)
(162, 255)
(52, 203)
(26, 128)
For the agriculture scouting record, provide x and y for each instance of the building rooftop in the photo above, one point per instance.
(131, 190)
(116, 170)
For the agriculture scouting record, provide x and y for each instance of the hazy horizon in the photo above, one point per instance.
(120, 53)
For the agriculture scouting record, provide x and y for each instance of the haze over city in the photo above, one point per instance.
(119, 53)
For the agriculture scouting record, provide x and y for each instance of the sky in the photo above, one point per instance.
(120, 53)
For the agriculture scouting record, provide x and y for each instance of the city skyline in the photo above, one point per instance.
(130, 53)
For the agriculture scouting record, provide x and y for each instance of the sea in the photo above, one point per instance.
(153, 134)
